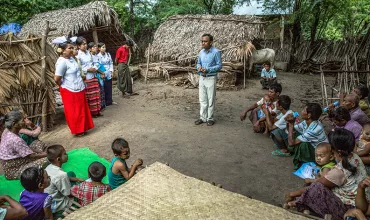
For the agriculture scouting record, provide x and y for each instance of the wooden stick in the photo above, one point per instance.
(147, 64)
(244, 61)
(43, 77)
(95, 36)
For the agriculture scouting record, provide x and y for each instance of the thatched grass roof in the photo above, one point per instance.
(80, 21)
(180, 36)
(20, 69)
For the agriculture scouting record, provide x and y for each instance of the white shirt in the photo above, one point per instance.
(107, 61)
(281, 123)
(59, 188)
(86, 63)
(69, 70)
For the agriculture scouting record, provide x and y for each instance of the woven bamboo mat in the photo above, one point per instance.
(159, 192)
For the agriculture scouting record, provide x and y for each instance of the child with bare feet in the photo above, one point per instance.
(261, 115)
(119, 172)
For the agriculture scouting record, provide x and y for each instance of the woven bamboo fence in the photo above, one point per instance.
(20, 69)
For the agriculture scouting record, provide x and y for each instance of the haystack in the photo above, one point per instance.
(159, 192)
(96, 21)
(20, 68)
(178, 42)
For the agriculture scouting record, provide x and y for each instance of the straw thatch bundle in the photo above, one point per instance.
(179, 37)
(20, 69)
(177, 43)
(159, 192)
(80, 21)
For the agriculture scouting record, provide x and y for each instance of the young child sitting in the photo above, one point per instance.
(34, 200)
(89, 191)
(118, 172)
(60, 184)
(363, 147)
(324, 157)
(261, 116)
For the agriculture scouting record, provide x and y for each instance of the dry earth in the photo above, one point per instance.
(159, 125)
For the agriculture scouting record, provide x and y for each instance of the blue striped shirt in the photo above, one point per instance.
(210, 60)
(313, 134)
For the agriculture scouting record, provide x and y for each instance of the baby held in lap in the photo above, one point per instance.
(324, 157)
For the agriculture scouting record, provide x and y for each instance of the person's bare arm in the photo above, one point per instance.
(326, 182)
(15, 210)
(36, 156)
(58, 80)
(128, 174)
(243, 115)
(365, 151)
(361, 201)
(269, 120)
(366, 159)
(48, 213)
(357, 213)
(33, 133)
(291, 139)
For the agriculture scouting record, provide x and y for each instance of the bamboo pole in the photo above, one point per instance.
(147, 64)
(367, 75)
(244, 61)
(43, 77)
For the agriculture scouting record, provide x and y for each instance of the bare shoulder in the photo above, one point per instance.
(119, 165)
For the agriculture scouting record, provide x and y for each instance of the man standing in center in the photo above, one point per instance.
(209, 63)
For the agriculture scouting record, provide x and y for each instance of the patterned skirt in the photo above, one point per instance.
(102, 97)
(93, 95)
(322, 201)
(13, 168)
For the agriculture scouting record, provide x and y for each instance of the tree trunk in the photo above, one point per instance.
(315, 24)
(296, 33)
(132, 18)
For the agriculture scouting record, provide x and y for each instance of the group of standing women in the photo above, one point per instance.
(84, 74)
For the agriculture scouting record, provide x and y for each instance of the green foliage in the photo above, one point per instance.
(325, 19)
(21, 11)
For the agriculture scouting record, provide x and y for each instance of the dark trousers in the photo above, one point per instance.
(108, 92)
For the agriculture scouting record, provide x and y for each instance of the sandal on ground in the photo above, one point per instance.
(278, 153)
(210, 123)
(134, 93)
(114, 103)
(198, 122)
(80, 134)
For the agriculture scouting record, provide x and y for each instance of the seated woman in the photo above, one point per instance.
(15, 155)
(342, 119)
(310, 133)
(30, 134)
(335, 192)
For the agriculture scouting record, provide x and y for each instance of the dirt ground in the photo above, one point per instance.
(159, 126)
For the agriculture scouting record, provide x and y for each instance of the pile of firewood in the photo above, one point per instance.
(311, 66)
(187, 75)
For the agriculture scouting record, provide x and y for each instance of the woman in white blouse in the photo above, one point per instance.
(92, 84)
(106, 59)
(72, 90)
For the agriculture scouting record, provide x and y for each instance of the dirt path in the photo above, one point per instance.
(162, 129)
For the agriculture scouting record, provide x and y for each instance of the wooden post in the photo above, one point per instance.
(147, 64)
(43, 77)
(282, 32)
(95, 36)
(244, 69)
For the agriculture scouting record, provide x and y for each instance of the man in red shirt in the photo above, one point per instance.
(124, 83)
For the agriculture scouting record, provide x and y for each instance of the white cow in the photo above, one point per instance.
(261, 56)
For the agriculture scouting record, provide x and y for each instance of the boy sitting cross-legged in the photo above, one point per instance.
(118, 172)
(89, 191)
(277, 128)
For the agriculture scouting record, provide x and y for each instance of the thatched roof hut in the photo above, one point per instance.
(179, 36)
(96, 21)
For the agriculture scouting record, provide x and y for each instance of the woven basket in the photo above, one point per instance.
(159, 192)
